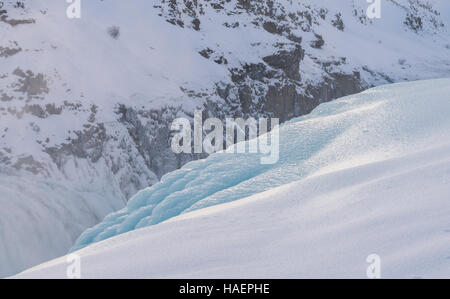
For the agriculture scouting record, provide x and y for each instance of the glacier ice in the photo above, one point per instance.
(62, 77)
(377, 124)
(377, 181)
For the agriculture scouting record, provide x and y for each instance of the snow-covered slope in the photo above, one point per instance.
(370, 174)
(86, 104)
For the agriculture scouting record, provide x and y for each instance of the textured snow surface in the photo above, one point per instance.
(366, 174)
(378, 124)
(69, 77)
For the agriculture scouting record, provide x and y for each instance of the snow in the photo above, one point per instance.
(326, 140)
(365, 174)
(144, 69)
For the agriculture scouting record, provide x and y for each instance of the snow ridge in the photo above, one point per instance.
(376, 181)
(88, 114)
(378, 124)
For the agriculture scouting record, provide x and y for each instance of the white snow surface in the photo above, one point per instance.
(365, 174)
(148, 67)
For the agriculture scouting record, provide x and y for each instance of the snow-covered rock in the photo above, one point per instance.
(368, 174)
(86, 104)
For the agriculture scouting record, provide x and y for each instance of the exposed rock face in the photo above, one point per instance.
(90, 115)
(6, 51)
(288, 61)
(30, 84)
(13, 22)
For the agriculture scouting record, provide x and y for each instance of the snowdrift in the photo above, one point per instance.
(365, 174)
(84, 115)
